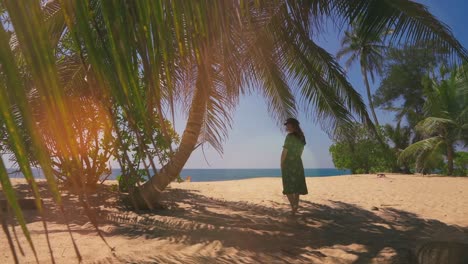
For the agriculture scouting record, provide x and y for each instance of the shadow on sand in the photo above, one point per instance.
(335, 233)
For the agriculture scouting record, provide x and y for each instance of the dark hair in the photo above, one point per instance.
(297, 129)
(298, 133)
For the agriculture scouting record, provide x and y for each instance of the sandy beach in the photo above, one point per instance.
(343, 219)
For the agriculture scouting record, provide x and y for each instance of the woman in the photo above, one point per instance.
(292, 170)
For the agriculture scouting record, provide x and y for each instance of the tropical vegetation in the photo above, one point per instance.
(369, 50)
(430, 105)
(445, 123)
(362, 152)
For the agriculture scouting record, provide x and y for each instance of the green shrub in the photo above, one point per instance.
(461, 164)
(125, 183)
(360, 151)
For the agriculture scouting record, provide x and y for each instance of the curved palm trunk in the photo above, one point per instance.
(369, 95)
(149, 192)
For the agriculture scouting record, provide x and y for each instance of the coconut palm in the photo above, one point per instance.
(281, 49)
(288, 31)
(147, 56)
(230, 65)
(401, 138)
(369, 50)
(446, 122)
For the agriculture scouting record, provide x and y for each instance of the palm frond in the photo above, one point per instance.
(72, 74)
(324, 89)
(53, 17)
(424, 147)
(10, 195)
(410, 22)
(432, 125)
(400, 136)
(265, 73)
(54, 20)
(29, 28)
(219, 109)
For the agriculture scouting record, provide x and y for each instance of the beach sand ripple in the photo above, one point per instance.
(344, 219)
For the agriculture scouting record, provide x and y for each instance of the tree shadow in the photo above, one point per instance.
(360, 235)
(98, 200)
(330, 233)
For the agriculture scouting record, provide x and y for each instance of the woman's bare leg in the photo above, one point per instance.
(292, 201)
(296, 200)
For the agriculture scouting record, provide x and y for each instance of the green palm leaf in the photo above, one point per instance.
(425, 147)
(432, 125)
(445, 110)
(410, 22)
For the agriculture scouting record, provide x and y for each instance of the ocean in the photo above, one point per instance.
(237, 174)
(204, 175)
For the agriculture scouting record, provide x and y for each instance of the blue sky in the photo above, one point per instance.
(255, 140)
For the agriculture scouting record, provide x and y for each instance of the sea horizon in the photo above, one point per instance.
(219, 174)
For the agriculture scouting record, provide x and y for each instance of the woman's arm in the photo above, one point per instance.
(283, 156)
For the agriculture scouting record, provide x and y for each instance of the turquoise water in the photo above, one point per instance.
(203, 175)
(237, 174)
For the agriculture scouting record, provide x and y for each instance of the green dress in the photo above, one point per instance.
(292, 171)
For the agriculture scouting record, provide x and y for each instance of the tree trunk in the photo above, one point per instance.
(149, 192)
(369, 95)
(450, 155)
(406, 169)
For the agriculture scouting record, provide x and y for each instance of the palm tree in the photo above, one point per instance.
(143, 56)
(401, 138)
(446, 122)
(280, 48)
(369, 50)
(224, 67)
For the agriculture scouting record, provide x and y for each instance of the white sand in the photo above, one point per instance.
(345, 219)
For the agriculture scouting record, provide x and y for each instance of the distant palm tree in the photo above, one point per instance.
(446, 122)
(369, 50)
(401, 138)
